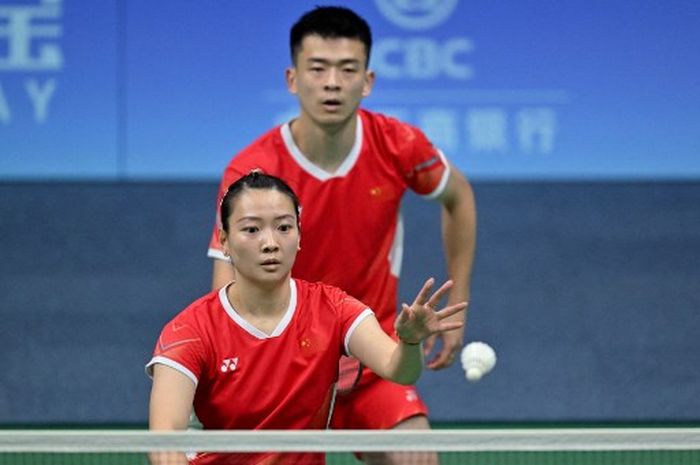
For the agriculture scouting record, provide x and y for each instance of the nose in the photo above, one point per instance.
(268, 241)
(332, 81)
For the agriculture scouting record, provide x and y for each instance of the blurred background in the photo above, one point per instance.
(577, 123)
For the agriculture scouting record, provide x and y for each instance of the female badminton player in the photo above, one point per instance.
(262, 352)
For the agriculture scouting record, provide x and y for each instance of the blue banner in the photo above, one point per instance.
(525, 90)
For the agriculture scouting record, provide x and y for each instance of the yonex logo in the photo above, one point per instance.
(417, 15)
(229, 364)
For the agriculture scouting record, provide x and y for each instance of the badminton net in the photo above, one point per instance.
(538, 446)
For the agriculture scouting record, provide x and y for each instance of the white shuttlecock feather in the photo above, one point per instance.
(478, 358)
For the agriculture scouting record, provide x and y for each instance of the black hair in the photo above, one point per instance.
(255, 180)
(330, 22)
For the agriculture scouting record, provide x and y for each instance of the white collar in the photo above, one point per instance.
(240, 321)
(315, 171)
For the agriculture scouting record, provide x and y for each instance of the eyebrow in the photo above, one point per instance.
(257, 218)
(326, 61)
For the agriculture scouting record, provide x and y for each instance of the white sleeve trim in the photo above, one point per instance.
(172, 364)
(365, 313)
(443, 181)
(217, 254)
(396, 251)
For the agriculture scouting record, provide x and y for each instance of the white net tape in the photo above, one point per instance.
(473, 440)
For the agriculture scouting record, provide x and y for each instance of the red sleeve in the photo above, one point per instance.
(351, 312)
(180, 346)
(424, 166)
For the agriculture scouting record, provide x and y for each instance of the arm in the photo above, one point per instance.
(402, 362)
(172, 394)
(459, 240)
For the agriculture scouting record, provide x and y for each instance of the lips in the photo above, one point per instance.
(270, 261)
(331, 104)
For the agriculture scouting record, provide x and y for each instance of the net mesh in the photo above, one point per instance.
(595, 446)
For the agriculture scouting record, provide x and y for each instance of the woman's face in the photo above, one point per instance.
(263, 237)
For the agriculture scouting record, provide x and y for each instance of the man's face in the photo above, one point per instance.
(330, 77)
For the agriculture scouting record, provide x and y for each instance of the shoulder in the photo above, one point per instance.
(318, 290)
(261, 151)
(187, 340)
(200, 313)
(270, 139)
(396, 141)
(320, 293)
(390, 128)
(325, 296)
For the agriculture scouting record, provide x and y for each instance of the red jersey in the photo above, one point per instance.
(351, 232)
(247, 379)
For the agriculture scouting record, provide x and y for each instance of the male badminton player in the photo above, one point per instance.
(351, 168)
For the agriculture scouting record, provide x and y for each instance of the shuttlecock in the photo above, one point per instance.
(478, 358)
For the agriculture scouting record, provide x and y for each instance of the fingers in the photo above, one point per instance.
(404, 315)
(451, 343)
(428, 344)
(449, 326)
(422, 296)
(434, 300)
(451, 310)
(443, 360)
(425, 299)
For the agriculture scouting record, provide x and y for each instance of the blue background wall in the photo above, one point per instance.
(587, 291)
(531, 89)
(576, 121)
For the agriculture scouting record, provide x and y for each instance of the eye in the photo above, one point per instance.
(285, 227)
(249, 229)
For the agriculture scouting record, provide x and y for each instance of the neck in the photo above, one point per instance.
(324, 146)
(259, 300)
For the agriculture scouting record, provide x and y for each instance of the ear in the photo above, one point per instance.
(369, 83)
(290, 76)
(223, 241)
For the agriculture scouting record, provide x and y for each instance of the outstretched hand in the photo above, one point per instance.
(420, 320)
(448, 350)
